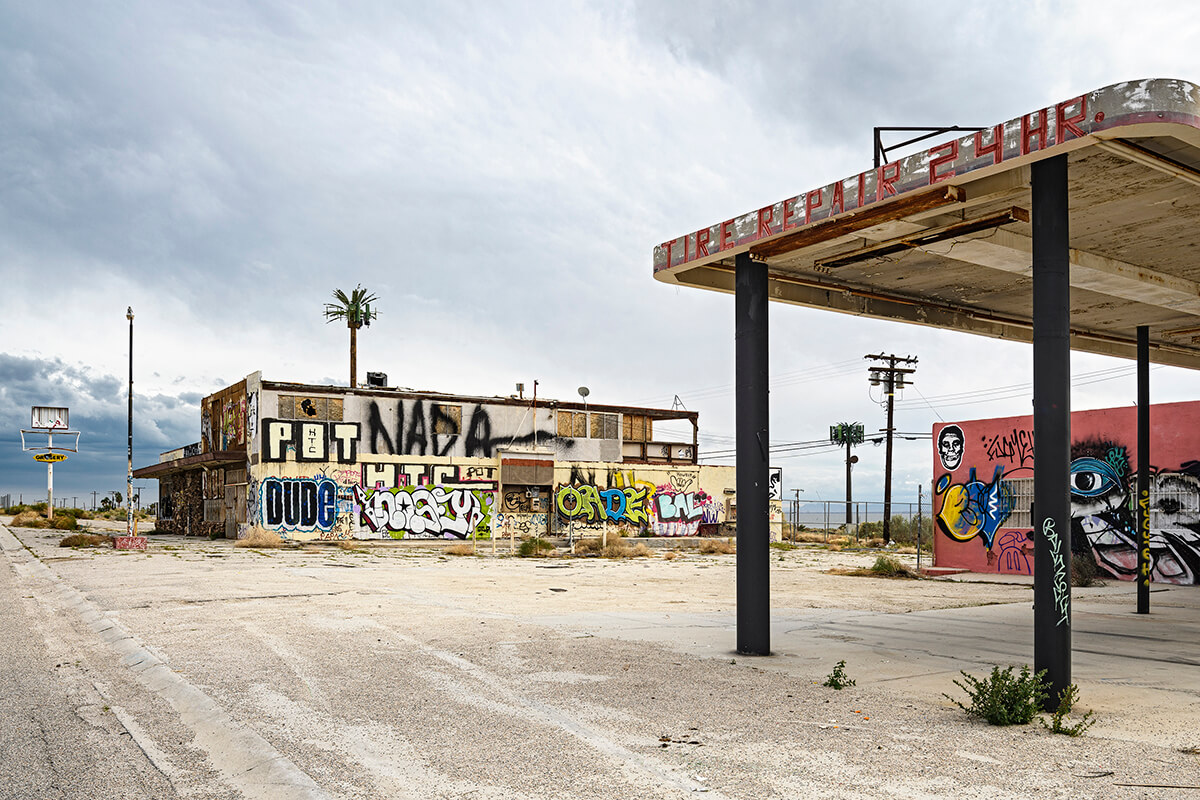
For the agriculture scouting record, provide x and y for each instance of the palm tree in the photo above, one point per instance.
(355, 308)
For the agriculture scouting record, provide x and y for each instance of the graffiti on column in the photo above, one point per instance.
(1058, 558)
(421, 512)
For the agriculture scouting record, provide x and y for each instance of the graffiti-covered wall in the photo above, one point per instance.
(983, 486)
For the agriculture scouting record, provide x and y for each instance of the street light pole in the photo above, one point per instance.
(129, 476)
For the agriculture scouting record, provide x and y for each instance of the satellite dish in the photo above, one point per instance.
(584, 391)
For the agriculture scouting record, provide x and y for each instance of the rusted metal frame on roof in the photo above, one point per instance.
(859, 219)
(931, 236)
(881, 151)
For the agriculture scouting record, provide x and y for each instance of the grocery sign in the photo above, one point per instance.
(50, 457)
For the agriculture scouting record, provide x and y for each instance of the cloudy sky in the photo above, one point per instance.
(498, 173)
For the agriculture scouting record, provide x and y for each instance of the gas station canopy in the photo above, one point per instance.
(943, 237)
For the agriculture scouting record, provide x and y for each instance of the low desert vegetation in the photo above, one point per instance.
(885, 566)
(838, 679)
(85, 540)
(616, 547)
(717, 546)
(1003, 698)
(1060, 719)
(460, 549)
(260, 539)
(531, 548)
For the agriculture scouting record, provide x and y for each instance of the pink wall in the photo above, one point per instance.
(978, 499)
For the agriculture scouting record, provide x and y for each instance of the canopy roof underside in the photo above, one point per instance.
(944, 239)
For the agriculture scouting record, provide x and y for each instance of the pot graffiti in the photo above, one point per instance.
(299, 504)
(426, 512)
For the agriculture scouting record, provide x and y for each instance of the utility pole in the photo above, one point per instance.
(890, 375)
(847, 433)
(796, 514)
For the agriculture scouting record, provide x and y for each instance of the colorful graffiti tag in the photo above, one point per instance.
(298, 504)
(662, 510)
(426, 512)
(973, 508)
(589, 503)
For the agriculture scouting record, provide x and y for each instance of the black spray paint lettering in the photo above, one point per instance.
(413, 435)
(312, 441)
(1016, 447)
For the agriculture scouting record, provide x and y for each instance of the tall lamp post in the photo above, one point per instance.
(129, 477)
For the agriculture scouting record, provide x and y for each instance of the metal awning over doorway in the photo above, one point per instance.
(1075, 226)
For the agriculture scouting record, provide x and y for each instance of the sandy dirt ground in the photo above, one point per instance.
(393, 671)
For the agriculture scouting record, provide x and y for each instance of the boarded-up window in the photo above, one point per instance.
(636, 428)
(572, 424)
(604, 426)
(447, 419)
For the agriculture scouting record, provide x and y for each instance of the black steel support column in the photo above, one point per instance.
(1051, 425)
(753, 499)
(1143, 475)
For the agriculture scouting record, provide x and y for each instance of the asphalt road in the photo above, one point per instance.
(324, 673)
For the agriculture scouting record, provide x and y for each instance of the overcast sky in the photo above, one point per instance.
(498, 173)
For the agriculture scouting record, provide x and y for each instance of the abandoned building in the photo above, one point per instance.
(329, 462)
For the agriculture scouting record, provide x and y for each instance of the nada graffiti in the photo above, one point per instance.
(1015, 447)
(299, 504)
(311, 441)
(973, 508)
(434, 512)
(419, 430)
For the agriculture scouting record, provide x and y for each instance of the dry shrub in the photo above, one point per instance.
(906, 551)
(65, 522)
(260, 539)
(670, 555)
(460, 549)
(350, 544)
(84, 540)
(588, 547)
(718, 546)
(835, 547)
(30, 519)
(876, 542)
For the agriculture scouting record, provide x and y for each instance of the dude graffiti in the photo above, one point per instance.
(426, 512)
(298, 504)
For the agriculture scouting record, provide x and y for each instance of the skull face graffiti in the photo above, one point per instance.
(950, 447)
